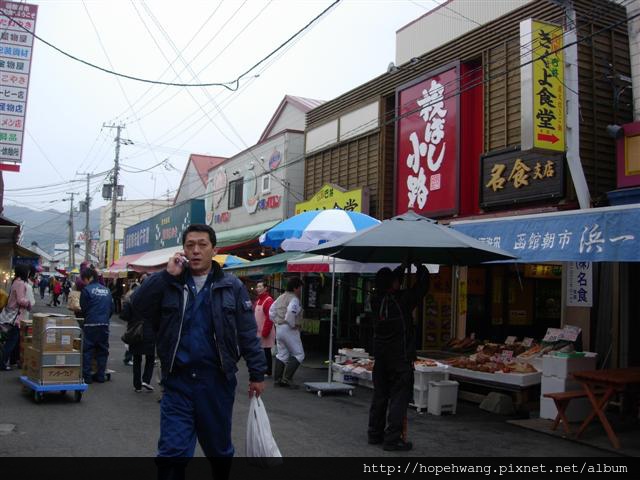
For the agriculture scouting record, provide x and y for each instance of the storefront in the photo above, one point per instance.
(472, 128)
(574, 268)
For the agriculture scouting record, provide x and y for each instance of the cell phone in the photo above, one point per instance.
(184, 261)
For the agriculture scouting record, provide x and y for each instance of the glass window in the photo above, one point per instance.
(235, 193)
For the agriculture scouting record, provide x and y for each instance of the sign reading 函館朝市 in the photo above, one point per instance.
(17, 26)
(427, 138)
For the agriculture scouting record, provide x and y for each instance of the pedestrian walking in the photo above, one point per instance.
(15, 308)
(266, 331)
(97, 307)
(286, 313)
(146, 346)
(42, 285)
(204, 322)
(117, 290)
(66, 289)
(394, 352)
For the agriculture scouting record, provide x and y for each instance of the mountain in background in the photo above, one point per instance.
(48, 227)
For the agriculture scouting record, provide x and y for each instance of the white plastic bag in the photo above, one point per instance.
(261, 446)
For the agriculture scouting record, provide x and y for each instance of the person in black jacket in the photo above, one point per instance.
(147, 347)
(203, 319)
(394, 352)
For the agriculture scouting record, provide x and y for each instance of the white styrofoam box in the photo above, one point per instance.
(577, 410)
(420, 398)
(421, 379)
(442, 397)
(553, 366)
(520, 379)
(536, 363)
(559, 384)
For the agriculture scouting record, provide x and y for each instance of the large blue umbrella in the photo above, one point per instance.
(309, 229)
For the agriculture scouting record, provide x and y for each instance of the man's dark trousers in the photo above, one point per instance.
(392, 391)
(196, 404)
(96, 338)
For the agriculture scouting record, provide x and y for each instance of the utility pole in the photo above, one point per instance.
(72, 256)
(114, 191)
(87, 231)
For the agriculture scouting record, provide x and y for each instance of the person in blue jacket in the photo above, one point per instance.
(204, 322)
(97, 306)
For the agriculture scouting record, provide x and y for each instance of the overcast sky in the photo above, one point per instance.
(218, 39)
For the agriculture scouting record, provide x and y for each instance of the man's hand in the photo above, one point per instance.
(176, 264)
(256, 388)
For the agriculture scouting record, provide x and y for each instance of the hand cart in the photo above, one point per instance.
(50, 360)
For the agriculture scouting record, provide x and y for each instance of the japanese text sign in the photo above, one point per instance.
(580, 284)
(331, 196)
(542, 86)
(610, 234)
(164, 229)
(427, 145)
(17, 25)
(514, 177)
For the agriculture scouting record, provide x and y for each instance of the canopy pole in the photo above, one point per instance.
(333, 289)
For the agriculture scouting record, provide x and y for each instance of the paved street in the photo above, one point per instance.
(113, 420)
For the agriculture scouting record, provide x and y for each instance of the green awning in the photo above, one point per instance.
(243, 234)
(265, 266)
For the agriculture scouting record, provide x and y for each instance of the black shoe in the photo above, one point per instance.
(97, 379)
(375, 440)
(88, 381)
(399, 446)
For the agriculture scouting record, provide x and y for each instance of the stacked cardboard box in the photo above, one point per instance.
(556, 377)
(51, 357)
(26, 337)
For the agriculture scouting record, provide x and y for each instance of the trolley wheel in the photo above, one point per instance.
(77, 395)
(63, 392)
(351, 393)
(320, 393)
(107, 377)
(38, 396)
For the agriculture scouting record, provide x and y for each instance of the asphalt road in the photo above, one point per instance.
(113, 420)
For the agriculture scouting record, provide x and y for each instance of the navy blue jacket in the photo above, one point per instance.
(96, 304)
(161, 299)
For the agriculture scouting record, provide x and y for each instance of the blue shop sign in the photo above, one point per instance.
(610, 234)
(163, 230)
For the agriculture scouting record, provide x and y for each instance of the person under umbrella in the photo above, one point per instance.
(394, 352)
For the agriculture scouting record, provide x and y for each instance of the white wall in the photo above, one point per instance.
(191, 187)
(290, 119)
(448, 22)
(129, 213)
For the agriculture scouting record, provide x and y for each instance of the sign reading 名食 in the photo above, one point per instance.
(331, 196)
(427, 144)
(580, 284)
(542, 86)
(513, 177)
(16, 47)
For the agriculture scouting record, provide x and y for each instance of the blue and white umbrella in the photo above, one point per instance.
(309, 229)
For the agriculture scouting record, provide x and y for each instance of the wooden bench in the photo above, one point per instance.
(562, 400)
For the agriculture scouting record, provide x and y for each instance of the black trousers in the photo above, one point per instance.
(392, 392)
(267, 356)
(138, 375)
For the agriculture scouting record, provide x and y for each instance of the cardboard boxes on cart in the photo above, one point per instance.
(51, 357)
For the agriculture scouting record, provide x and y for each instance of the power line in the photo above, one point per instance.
(228, 85)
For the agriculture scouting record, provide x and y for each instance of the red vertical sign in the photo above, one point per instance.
(427, 145)
(17, 25)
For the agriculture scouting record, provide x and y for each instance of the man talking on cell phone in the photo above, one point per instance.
(204, 322)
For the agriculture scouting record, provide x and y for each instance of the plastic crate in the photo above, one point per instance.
(442, 397)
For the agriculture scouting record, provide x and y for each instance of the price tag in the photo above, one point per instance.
(553, 335)
(506, 355)
(570, 333)
(510, 340)
(527, 342)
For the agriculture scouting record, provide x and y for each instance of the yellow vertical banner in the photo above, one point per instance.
(548, 86)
